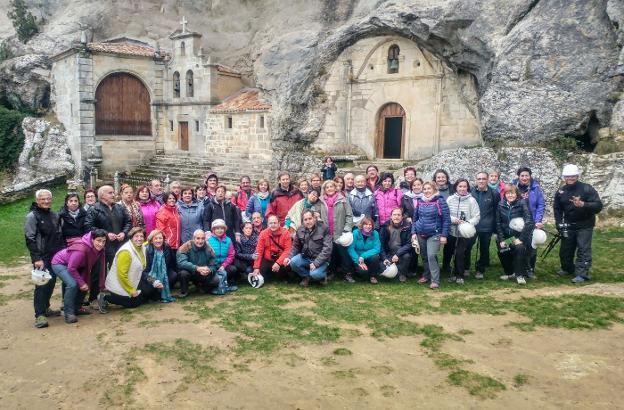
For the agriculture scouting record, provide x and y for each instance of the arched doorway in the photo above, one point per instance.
(122, 106)
(390, 131)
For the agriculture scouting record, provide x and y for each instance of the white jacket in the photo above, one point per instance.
(134, 273)
(466, 204)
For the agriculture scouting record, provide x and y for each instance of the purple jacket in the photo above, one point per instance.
(149, 210)
(80, 257)
(386, 202)
(534, 197)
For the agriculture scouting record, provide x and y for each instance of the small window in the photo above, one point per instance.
(176, 85)
(170, 125)
(189, 84)
(393, 59)
(197, 126)
(262, 121)
(230, 123)
(182, 49)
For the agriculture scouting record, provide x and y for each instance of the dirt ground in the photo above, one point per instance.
(78, 366)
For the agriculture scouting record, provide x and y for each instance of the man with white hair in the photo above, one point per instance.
(196, 261)
(156, 191)
(576, 205)
(43, 239)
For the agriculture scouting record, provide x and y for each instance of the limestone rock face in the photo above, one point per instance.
(606, 174)
(46, 154)
(24, 82)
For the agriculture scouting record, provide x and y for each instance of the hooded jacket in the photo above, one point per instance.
(257, 204)
(405, 231)
(386, 201)
(73, 227)
(315, 244)
(294, 218)
(431, 218)
(241, 198)
(465, 206)
(363, 204)
(408, 202)
(168, 221)
(149, 209)
(189, 257)
(534, 198)
(42, 232)
(506, 212)
(191, 219)
(222, 210)
(364, 247)
(282, 200)
(80, 258)
(343, 215)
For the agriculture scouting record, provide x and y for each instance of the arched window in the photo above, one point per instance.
(393, 59)
(189, 83)
(182, 49)
(176, 85)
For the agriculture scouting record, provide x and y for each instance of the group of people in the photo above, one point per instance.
(365, 227)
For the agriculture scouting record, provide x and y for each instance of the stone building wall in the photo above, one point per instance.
(246, 137)
(434, 98)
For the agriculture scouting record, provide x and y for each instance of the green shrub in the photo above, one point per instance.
(561, 146)
(24, 22)
(11, 137)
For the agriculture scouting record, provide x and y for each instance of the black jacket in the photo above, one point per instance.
(42, 232)
(488, 203)
(71, 227)
(406, 240)
(578, 218)
(170, 259)
(505, 212)
(226, 211)
(99, 217)
(315, 244)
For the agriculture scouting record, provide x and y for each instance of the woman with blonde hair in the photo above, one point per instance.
(160, 265)
(133, 207)
(259, 201)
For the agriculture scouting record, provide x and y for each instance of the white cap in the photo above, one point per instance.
(570, 170)
(218, 223)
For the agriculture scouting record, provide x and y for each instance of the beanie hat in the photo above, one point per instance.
(218, 223)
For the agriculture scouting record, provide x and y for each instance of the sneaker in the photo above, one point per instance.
(452, 279)
(563, 273)
(349, 279)
(102, 303)
(304, 282)
(232, 288)
(520, 280)
(579, 279)
(460, 281)
(82, 312)
(423, 280)
(478, 275)
(182, 295)
(434, 286)
(374, 280)
(52, 312)
(69, 319)
(41, 322)
(402, 278)
(466, 274)
(508, 277)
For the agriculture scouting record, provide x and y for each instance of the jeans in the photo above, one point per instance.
(73, 297)
(373, 265)
(579, 241)
(483, 261)
(301, 265)
(429, 248)
(41, 299)
(514, 261)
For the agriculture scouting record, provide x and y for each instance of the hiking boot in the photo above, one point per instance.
(374, 280)
(466, 274)
(324, 281)
(520, 280)
(478, 275)
(349, 279)
(434, 286)
(508, 277)
(304, 282)
(423, 280)
(402, 278)
(452, 279)
(460, 281)
(530, 274)
(102, 303)
(41, 322)
(579, 279)
(69, 319)
(563, 273)
(82, 312)
(182, 295)
(52, 312)
(232, 288)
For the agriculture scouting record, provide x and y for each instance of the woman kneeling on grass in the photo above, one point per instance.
(125, 282)
(365, 250)
(160, 266)
(73, 265)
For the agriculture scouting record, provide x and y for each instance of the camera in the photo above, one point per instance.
(564, 229)
(274, 256)
(462, 216)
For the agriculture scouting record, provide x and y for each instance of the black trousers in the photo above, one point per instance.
(448, 252)
(580, 242)
(483, 261)
(462, 254)
(403, 265)
(204, 283)
(372, 264)
(340, 260)
(43, 294)
(514, 261)
(147, 293)
(268, 274)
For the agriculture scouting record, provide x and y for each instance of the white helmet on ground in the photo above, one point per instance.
(539, 238)
(346, 239)
(40, 277)
(255, 281)
(516, 224)
(466, 230)
(391, 271)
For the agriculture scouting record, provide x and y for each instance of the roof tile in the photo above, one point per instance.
(247, 99)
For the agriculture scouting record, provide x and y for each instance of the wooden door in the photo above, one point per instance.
(390, 131)
(184, 136)
(122, 106)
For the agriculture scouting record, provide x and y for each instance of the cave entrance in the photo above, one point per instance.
(390, 131)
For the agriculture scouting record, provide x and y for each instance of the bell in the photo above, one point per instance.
(394, 65)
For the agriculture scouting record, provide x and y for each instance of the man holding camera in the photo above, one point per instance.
(576, 205)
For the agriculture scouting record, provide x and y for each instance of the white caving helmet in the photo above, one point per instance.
(255, 281)
(391, 271)
(40, 277)
(346, 239)
(516, 224)
(539, 238)
(466, 230)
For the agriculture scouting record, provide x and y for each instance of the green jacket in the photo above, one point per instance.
(189, 257)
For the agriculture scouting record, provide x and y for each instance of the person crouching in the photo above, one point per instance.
(396, 243)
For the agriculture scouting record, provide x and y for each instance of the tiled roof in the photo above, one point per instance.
(247, 99)
(125, 48)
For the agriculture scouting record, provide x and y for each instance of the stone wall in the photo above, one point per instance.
(246, 138)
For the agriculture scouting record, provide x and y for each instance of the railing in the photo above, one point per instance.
(121, 178)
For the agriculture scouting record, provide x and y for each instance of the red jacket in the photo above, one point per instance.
(168, 221)
(281, 202)
(240, 198)
(273, 243)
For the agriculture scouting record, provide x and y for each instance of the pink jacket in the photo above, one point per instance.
(386, 202)
(149, 210)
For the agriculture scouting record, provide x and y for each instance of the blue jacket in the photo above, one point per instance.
(221, 248)
(364, 248)
(191, 219)
(363, 203)
(255, 204)
(246, 247)
(534, 198)
(431, 218)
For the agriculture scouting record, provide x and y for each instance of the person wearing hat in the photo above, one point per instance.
(311, 250)
(575, 206)
(223, 247)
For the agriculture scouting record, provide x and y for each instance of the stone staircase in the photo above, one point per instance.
(192, 170)
(385, 165)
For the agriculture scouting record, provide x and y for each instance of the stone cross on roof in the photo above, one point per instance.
(183, 22)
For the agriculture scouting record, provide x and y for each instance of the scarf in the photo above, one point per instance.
(366, 234)
(262, 195)
(494, 186)
(159, 272)
(73, 214)
(330, 201)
